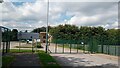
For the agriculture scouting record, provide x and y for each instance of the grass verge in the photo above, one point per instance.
(19, 51)
(47, 60)
(6, 61)
(23, 47)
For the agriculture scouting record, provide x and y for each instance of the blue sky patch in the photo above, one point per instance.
(63, 17)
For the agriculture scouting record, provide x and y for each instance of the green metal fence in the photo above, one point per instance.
(90, 46)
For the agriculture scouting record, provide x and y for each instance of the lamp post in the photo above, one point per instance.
(47, 26)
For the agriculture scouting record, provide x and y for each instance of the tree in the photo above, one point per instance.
(14, 35)
(112, 36)
(26, 31)
(38, 30)
(83, 34)
(65, 32)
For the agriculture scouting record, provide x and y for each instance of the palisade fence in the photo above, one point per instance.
(5, 40)
(88, 46)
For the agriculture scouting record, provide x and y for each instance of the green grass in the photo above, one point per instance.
(38, 46)
(6, 60)
(47, 60)
(23, 47)
(21, 50)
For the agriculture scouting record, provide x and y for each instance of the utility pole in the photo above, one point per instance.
(47, 26)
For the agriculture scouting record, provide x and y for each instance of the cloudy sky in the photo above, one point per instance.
(30, 15)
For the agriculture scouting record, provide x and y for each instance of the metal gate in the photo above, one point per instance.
(4, 40)
(67, 46)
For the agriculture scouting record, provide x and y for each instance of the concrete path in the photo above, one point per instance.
(84, 61)
(25, 60)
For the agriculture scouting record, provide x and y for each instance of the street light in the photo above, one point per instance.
(47, 27)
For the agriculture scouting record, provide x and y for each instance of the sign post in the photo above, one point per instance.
(32, 43)
(36, 46)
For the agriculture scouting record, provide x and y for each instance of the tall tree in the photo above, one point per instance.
(14, 35)
(26, 31)
(38, 30)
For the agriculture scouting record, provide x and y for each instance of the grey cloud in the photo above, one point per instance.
(88, 8)
(107, 12)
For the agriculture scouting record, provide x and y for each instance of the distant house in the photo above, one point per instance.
(43, 37)
(28, 36)
(23, 35)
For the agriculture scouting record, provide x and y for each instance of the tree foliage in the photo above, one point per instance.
(14, 33)
(42, 29)
(38, 30)
(85, 34)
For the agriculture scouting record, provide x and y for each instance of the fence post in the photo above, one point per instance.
(7, 41)
(3, 48)
(70, 47)
(83, 48)
(63, 47)
(108, 49)
(56, 48)
(19, 44)
(92, 45)
(4, 39)
(115, 49)
(0, 46)
(0, 40)
(36, 46)
(77, 47)
(102, 41)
